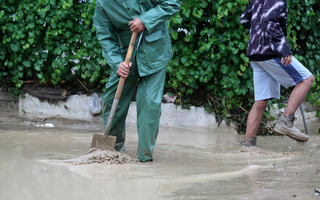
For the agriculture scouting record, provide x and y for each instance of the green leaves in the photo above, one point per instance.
(14, 47)
(43, 40)
(212, 50)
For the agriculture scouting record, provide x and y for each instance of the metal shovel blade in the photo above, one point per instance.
(103, 142)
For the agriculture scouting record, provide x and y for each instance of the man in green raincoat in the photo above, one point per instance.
(114, 22)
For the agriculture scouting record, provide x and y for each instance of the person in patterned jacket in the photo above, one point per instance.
(273, 65)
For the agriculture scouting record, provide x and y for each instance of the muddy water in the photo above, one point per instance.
(188, 164)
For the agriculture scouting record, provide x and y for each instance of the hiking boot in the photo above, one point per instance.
(251, 142)
(286, 127)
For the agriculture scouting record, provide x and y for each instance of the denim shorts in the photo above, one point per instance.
(269, 75)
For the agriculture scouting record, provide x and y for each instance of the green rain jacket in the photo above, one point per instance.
(111, 22)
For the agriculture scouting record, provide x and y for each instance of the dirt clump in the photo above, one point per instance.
(102, 156)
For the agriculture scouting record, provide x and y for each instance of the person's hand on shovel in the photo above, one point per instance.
(136, 25)
(124, 69)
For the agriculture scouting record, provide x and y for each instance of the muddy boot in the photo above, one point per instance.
(251, 142)
(317, 192)
(286, 127)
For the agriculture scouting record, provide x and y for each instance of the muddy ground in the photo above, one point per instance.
(188, 164)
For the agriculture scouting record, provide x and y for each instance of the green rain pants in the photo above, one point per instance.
(148, 102)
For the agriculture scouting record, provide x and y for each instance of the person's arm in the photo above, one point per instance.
(107, 35)
(278, 39)
(162, 11)
(283, 17)
(283, 23)
(245, 18)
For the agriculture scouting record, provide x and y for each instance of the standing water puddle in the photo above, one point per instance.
(188, 164)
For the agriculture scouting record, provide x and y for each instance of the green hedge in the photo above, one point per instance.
(210, 47)
(45, 41)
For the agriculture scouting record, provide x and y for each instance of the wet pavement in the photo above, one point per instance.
(188, 164)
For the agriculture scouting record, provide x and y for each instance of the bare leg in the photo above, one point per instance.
(297, 96)
(254, 118)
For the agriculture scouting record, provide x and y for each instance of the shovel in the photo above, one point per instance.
(107, 142)
(304, 119)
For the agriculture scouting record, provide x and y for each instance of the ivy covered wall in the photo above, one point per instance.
(49, 41)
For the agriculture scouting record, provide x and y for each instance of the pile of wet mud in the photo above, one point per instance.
(106, 157)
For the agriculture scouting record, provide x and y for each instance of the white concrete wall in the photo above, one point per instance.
(77, 107)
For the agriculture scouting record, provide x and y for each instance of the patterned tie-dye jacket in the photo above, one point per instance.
(267, 21)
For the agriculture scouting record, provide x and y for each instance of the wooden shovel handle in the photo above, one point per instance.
(128, 58)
